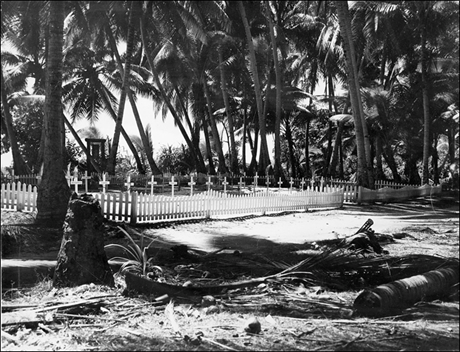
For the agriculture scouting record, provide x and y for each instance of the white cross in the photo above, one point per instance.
(225, 183)
(191, 183)
(104, 182)
(241, 183)
(172, 183)
(302, 183)
(209, 183)
(86, 178)
(291, 183)
(128, 183)
(322, 182)
(76, 182)
(152, 183)
(280, 183)
(312, 183)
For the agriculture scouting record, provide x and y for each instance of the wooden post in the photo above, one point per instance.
(152, 183)
(133, 219)
(191, 184)
(172, 183)
(104, 182)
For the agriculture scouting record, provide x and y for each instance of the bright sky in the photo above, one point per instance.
(164, 133)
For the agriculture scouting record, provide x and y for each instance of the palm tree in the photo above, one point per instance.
(53, 191)
(279, 87)
(264, 159)
(350, 55)
(125, 86)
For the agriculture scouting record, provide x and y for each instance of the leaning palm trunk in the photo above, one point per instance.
(345, 26)
(125, 135)
(166, 100)
(223, 82)
(125, 88)
(145, 142)
(394, 296)
(80, 143)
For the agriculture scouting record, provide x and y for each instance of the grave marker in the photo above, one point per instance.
(191, 184)
(128, 183)
(152, 183)
(209, 183)
(172, 183)
(104, 182)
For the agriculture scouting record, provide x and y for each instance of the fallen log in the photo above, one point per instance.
(393, 297)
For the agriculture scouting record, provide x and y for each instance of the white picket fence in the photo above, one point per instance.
(147, 208)
(137, 207)
(18, 196)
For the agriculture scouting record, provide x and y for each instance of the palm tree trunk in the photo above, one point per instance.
(426, 107)
(19, 165)
(264, 159)
(223, 82)
(215, 134)
(53, 191)
(335, 153)
(327, 159)
(378, 156)
(194, 140)
(345, 26)
(125, 135)
(160, 87)
(279, 88)
(245, 124)
(292, 159)
(145, 142)
(125, 87)
(211, 168)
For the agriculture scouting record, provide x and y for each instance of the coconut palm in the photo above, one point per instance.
(158, 41)
(53, 191)
(264, 159)
(364, 157)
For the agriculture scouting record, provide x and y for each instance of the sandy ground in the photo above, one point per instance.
(265, 231)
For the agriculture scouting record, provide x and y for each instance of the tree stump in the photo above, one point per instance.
(82, 258)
